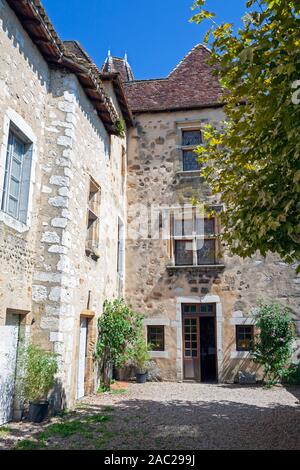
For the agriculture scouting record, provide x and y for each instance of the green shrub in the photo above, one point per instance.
(39, 369)
(119, 327)
(273, 347)
(291, 376)
(140, 355)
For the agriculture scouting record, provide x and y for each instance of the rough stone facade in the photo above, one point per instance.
(46, 276)
(67, 110)
(238, 286)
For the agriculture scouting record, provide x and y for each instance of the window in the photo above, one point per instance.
(156, 337)
(190, 140)
(195, 238)
(17, 176)
(120, 249)
(92, 240)
(244, 338)
(191, 334)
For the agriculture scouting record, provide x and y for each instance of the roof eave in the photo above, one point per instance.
(114, 77)
(33, 18)
(161, 109)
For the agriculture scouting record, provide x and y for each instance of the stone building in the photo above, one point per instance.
(73, 185)
(199, 301)
(63, 198)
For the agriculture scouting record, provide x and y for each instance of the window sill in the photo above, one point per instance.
(13, 223)
(190, 174)
(198, 267)
(159, 354)
(241, 355)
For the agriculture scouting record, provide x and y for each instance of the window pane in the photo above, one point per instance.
(183, 222)
(244, 338)
(12, 207)
(191, 137)
(16, 169)
(190, 162)
(206, 251)
(14, 188)
(156, 337)
(205, 227)
(18, 149)
(183, 253)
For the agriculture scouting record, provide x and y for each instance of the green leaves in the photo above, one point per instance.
(39, 369)
(273, 346)
(119, 328)
(253, 158)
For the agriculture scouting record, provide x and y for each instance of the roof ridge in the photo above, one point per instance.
(148, 80)
(187, 55)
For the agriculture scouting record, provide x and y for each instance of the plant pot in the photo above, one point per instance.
(141, 378)
(38, 411)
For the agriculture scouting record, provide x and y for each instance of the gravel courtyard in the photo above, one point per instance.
(167, 416)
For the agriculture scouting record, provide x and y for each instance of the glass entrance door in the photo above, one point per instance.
(199, 342)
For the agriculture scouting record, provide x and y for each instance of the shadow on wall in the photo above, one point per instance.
(47, 76)
(58, 399)
(21, 42)
(232, 367)
(186, 425)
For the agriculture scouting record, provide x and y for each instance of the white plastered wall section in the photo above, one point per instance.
(12, 117)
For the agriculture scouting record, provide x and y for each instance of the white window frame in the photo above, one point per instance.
(13, 120)
(194, 237)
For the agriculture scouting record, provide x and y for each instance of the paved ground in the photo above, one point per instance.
(171, 416)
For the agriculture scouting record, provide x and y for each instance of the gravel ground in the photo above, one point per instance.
(184, 416)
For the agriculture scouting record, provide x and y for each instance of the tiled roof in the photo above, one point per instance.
(118, 65)
(37, 24)
(75, 49)
(190, 85)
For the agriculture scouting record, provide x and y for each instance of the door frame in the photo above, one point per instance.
(207, 299)
(89, 385)
(198, 315)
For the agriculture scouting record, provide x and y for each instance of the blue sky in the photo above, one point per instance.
(156, 34)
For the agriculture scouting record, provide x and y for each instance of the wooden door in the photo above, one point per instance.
(199, 342)
(191, 348)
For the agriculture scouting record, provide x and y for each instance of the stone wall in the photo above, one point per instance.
(44, 268)
(24, 88)
(153, 286)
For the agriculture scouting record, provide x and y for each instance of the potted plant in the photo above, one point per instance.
(141, 357)
(39, 369)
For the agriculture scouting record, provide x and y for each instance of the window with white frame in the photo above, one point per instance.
(16, 184)
(195, 239)
(191, 139)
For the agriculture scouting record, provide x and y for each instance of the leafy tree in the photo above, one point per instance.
(274, 344)
(119, 328)
(253, 159)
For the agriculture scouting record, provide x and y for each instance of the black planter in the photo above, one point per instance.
(38, 411)
(142, 378)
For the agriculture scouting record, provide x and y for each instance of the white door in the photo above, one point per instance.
(82, 357)
(9, 334)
